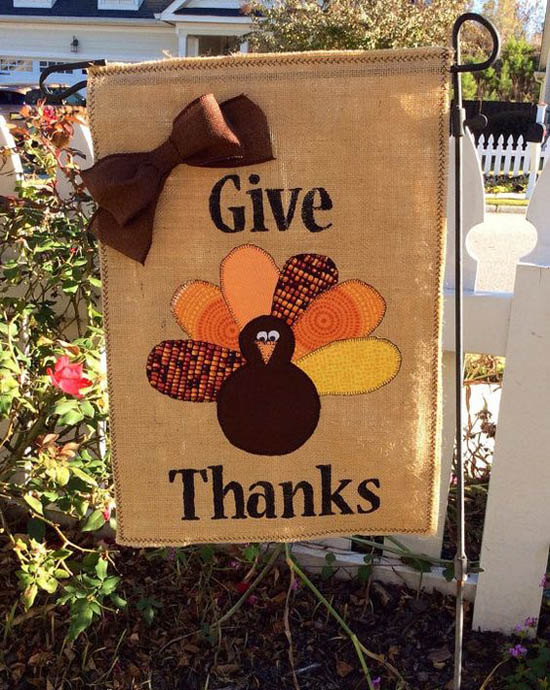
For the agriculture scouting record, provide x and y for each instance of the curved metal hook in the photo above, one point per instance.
(457, 129)
(487, 24)
(65, 93)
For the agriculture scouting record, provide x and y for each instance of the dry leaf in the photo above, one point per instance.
(439, 655)
(343, 669)
(227, 669)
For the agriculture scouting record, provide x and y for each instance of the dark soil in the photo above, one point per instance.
(413, 630)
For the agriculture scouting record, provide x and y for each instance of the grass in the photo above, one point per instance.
(499, 201)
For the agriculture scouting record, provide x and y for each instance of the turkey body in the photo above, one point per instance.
(268, 406)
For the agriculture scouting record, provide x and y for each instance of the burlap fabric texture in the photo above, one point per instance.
(274, 364)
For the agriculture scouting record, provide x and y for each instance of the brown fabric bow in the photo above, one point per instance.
(127, 186)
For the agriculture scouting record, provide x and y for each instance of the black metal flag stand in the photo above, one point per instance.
(457, 131)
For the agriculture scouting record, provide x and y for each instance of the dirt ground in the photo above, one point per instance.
(252, 649)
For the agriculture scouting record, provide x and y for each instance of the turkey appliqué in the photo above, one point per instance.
(266, 344)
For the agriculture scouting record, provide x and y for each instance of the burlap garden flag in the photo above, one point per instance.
(272, 235)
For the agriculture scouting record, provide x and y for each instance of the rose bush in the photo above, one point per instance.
(54, 447)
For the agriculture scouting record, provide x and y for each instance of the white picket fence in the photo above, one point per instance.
(512, 158)
(516, 537)
(11, 169)
(516, 325)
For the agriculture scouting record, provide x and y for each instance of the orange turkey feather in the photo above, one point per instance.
(351, 309)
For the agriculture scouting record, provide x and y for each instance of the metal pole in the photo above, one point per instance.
(461, 561)
(457, 131)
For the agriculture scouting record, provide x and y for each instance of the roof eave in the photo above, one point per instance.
(41, 19)
(207, 18)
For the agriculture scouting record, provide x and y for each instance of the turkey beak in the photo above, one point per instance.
(266, 349)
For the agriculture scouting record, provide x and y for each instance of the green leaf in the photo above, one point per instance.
(251, 552)
(144, 602)
(364, 572)
(34, 503)
(36, 529)
(49, 584)
(64, 406)
(69, 287)
(62, 475)
(148, 606)
(90, 560)
(449, 572)
(93, 522)
(327, 572)
(80, 621)
(71, 418)
(330, 557)
(101, 568)
(417, 564)
(81, 506)
(96, 608)
(87, 408)
(95, 282)
(110, 584)
(11, 365)
(207, 552)
(82, 475)
(61, 554)
(118, 601)
(29, 595)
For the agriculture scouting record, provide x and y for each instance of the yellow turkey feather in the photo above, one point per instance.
(352, 367)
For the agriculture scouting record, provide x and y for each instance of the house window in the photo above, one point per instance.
(52, 63)
(10, 65)
(48, 4)
(218, 45)
(119, 4)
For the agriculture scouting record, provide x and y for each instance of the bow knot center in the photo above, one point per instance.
(166, 156)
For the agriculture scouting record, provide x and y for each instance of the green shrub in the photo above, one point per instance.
(287, 25)
(54, 453)
(512, 78)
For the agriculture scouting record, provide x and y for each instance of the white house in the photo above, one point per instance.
(37, 33)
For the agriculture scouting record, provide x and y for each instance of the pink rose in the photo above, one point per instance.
(68, 377)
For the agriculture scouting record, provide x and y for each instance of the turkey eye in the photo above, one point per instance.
(273, 336)
(262, 336)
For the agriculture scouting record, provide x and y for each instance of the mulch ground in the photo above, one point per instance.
(176, 651)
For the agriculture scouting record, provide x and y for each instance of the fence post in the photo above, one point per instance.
(516, 536)
(538, 213)
(518, 152)
(11, 170)
(536, 154)
(500, 153)
(489, 151)
(534, 161)
(83, 152)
